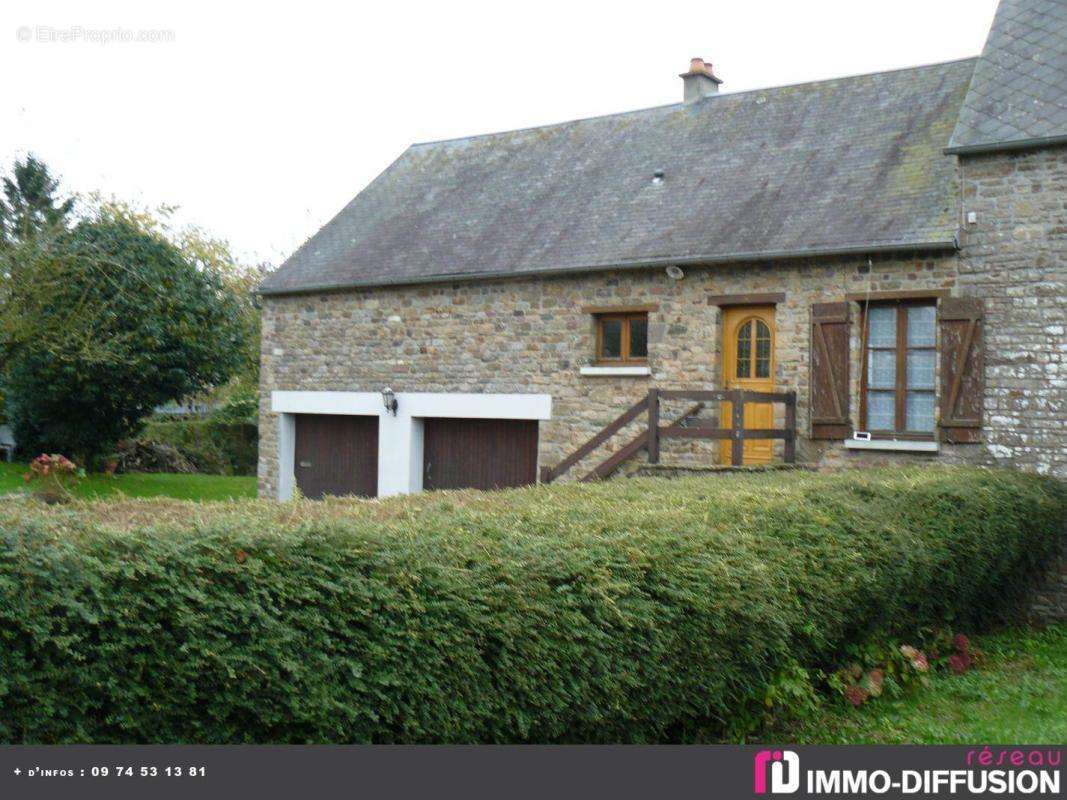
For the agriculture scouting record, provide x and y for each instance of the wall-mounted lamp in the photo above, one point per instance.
(389, 400)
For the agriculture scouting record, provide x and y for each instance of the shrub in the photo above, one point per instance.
(104, 322)
(240, 405)
(52, 477)
(644, 610)
(145, 455)
(215, 447)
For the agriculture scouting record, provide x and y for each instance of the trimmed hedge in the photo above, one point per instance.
(644, 610)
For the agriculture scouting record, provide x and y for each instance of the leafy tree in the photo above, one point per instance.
(29, 204)
(237, 399)
(124, 323)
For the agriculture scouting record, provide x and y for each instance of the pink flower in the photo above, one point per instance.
(959, 663)
(961, 643)
(916, 657)
(856, 695)
(872, 682)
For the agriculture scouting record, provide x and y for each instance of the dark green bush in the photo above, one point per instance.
(631, 611)
(214, 447)
(102, 323)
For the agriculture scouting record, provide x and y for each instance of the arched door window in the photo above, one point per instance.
(753, 349)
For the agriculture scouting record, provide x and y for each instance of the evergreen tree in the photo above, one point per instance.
(30, 202)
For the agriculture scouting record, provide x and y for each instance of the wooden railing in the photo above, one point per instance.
(737, 432)
(654, 433)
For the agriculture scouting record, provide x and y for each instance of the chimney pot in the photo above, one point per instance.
(700, 81)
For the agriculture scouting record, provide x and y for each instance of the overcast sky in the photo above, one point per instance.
(261, 121)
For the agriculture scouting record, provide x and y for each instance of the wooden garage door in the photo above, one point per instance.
(479, 453)
(336, 455)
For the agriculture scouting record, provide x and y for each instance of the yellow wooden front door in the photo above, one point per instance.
(748, 363)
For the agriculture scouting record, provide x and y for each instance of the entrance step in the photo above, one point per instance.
(699, 470)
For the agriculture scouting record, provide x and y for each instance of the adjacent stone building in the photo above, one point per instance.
(888, 250)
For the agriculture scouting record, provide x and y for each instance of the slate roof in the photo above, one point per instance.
(1018, 96)
(847, 165)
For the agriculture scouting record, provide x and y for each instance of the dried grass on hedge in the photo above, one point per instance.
(633, 611)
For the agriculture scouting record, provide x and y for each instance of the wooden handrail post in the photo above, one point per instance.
(737, 428)
(653, 426)
(790, 453)
(616, 425)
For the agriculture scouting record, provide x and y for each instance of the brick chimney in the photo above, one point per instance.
(700, 81)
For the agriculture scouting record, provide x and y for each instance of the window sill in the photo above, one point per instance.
(616, 372)
(899, 445)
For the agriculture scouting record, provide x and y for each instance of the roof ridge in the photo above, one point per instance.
(712, 98)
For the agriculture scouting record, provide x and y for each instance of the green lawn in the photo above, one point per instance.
(1019, 696)
(143, 484)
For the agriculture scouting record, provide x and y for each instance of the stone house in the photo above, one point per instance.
(879, 261)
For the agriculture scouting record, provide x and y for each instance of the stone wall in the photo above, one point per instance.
(532, 335)
(1015, 256)
(1048, 600)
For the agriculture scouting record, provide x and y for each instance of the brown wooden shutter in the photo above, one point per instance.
(829, 371)
(961, 369)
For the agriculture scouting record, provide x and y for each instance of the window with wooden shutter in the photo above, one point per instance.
(829, 371)
(897, 397)
(961, 321)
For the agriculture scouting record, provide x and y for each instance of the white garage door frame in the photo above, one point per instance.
(399, 436)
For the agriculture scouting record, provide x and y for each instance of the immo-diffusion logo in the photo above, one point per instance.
(784, 769)
(1015, 770)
